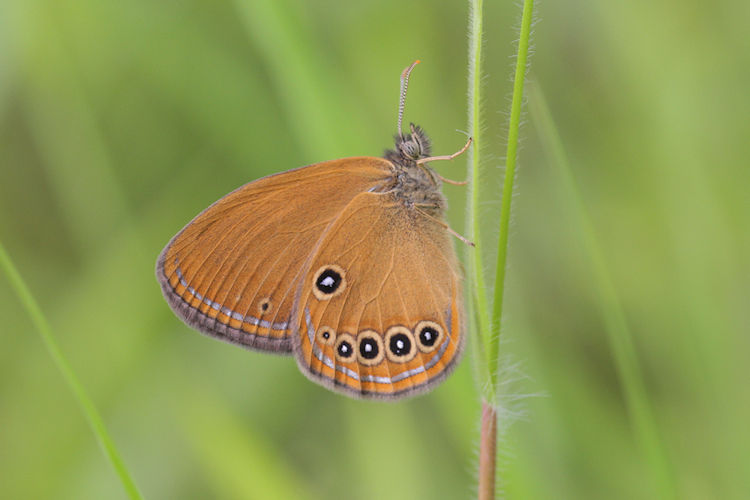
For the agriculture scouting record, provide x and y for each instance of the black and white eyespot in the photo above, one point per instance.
(344, 348)
(265, 305)
(326, 335)
(400, 346)
(370, 348)
(429, 335)
(329, 281)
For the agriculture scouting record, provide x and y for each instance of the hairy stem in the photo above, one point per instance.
(478, 287)
(510, 173)
(488, 323)
(488, 453)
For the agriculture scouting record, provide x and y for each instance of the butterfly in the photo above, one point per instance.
(346, 264)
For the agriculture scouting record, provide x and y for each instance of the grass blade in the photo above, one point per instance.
(618, 333)
(84, 401)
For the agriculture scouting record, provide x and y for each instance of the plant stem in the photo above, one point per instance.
(487, 453)
(489, 326)
(84, 401)
(479, 288)
(510, 172)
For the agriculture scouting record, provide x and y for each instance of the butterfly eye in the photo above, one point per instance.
(410, 149)
(369, 348)
(328, 282)
(345, 348)
(326, 335)
(265, 305)
(400, 343)
(429, 335)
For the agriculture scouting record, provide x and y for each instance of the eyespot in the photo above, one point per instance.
(400, 344)
(326, 335)
(344, 348)
(265, 305)
(329, 281)
(429, 335)
(369, 348)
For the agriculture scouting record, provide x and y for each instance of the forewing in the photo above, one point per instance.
(391, 326)
(233, 271)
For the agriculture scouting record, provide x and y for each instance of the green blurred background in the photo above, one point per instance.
(119, 121)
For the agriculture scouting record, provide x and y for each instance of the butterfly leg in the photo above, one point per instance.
(446, 226)
(450, 181)
(446, 157)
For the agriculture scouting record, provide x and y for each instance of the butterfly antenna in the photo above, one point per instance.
(402, 98)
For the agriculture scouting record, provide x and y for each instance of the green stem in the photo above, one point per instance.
(489, 326)
(84, 401)
(479, 287)
(618, 333)
(510, 172)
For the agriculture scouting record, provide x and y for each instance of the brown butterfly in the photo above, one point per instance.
(347, 263)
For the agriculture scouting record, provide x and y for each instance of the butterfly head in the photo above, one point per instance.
(409, 147)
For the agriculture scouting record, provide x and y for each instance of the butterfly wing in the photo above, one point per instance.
(379, 311)
(233, 271)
